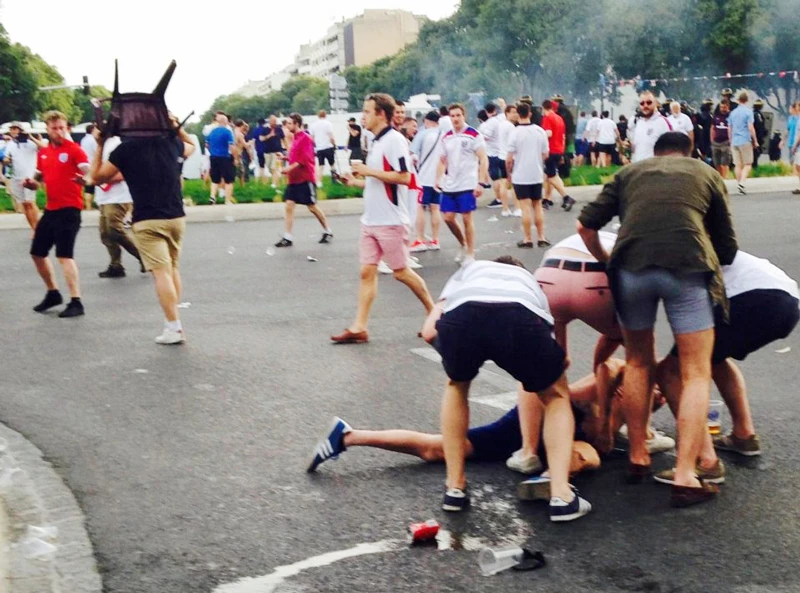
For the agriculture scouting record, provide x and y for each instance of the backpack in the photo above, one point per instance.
(136, 115)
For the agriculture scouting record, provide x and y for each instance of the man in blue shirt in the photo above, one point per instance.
(743, 139)
(260, 147)
(219, 142)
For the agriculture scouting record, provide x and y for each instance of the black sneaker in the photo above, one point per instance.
(212, 200)
(495, 204)
(547, 204)
(113, 272)
(568, 203)
(285, 243)
(525, 244)
(53, 298)
(326, 237)
(74, 309)
(455, 500)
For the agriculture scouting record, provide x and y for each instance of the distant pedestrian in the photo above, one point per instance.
(650, 126)
(427, 147)
(354, 140)
(743, 140)
(555, 128)
(220, 144)
(273, 139)
(681, 122)
(325, 143)
(89, 146)
(21, 153)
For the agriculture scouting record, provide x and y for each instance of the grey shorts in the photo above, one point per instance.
(686, 300)
(721, 155)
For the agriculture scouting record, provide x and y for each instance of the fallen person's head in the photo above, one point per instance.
(510, 260)
(673, 144)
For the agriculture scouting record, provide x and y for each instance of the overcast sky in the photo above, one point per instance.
(214, 55)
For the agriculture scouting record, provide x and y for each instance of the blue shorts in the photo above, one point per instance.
(498, 441)
(686, 299)
(461, 202)
(430, 196)
(497, 168)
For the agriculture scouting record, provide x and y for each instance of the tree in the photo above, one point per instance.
(17, 83)
(83, 104)
(46, 75)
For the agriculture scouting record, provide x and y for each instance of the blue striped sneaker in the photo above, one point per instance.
(331, 446)
(455, 500)
(568, 511)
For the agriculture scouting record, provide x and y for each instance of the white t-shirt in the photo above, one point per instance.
(529, 144)
(386, 204)
(575, 242)
(492, 282)
(445, 124)
(460, 152)
(89, 146)
(590, 134)
(321, 131)
(491, 135)
(115, 193)
(428, 148)
(748, 272)
(606, 131)
(681, 123)
(645, 135)
(23, 158)
(506, 130)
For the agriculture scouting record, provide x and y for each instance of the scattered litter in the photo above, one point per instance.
(33, 548)
(423, 532)
(184, 305)
(784, 350)
(142, 371)
(491, 219)
(49, 533)
(229, 219)
(270, 251)
(309, 258)
(231, 250)
(530, 560)
(494, 560)
(509, 232)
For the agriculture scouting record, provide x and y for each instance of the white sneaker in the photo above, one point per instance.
(506, 213)
(460, 257)
(658, 443)
(518, 213)
(524, 465)
(412, 264)
(468, 259)
(170, 337)
(383, 268)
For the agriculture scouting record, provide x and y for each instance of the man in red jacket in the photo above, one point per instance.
(302, 188)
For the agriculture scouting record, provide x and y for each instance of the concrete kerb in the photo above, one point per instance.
(34, 496)
(271, 211)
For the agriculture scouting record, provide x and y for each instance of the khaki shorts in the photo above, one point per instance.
(159, 241)
(271, 162)
(743, 155)
(19, 193)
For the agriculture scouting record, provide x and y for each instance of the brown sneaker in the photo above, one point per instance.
(686, 496)
(712, 475)
(348, 337)
(750, 447)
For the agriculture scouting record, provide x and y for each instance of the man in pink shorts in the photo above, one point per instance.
(385, 222)
(576, 286)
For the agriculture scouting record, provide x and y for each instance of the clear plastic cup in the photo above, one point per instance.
(715, 416)
(494, 560)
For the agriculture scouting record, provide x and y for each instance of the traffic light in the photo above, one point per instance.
(86, 85)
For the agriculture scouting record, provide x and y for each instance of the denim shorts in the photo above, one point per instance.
(686, 300)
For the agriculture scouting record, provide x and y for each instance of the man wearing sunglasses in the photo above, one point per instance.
(649, 128)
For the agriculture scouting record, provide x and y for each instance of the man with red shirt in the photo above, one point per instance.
(556, 130)
(61, 166)
(301, 174)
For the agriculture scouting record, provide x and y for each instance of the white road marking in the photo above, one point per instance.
(505, 400)
(268, 583)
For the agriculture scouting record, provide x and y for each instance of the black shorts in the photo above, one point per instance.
(498, 441)
(222, 169)
(532, 191)
(88, 189)
(301, 193)
(261, 160)
(497, 168)
(757, 318)
(327, 154)
(516, 339)
(606, 148)
(59, 228)
(551, 164)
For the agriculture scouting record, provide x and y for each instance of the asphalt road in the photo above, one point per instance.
(189, 461)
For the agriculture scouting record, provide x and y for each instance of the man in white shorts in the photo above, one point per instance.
(21, 153)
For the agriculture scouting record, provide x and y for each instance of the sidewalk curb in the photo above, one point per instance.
(350, 206)
(38, 496)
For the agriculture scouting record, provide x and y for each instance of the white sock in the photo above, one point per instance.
(328, 230)
(287, 236)
(174, 326)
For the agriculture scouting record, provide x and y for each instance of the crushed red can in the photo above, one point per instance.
(423, 532)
